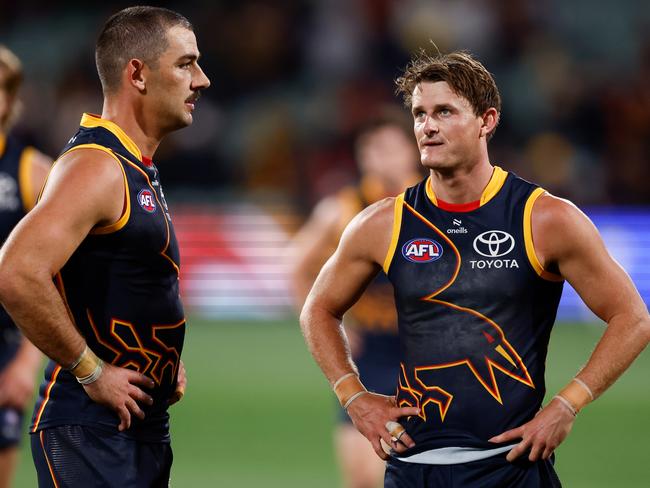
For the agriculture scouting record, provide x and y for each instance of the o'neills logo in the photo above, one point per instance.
(494, 244)
(421, 250)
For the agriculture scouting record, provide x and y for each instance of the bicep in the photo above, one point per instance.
(78, 196)
(356, 261)
(584, 261)
(342, 281)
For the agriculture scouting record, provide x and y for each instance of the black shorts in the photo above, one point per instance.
(11, 424)
(76, 456)
(493, 472)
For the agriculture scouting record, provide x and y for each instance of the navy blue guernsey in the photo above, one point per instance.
(15, 201)
(475, 312)
(121, 288)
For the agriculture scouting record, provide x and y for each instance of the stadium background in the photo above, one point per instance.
(291, 81)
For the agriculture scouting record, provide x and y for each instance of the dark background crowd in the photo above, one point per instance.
(292, 80)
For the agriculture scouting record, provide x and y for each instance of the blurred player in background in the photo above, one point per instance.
(91, 274)
(22, 172)
(388, 162)
(478, 258)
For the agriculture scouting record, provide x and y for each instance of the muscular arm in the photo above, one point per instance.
(80, 194)
(85, 189)
(340, 283)
(582, 259)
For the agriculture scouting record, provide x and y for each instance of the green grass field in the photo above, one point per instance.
(258, 413)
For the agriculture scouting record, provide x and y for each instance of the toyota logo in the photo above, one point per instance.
(494, 243)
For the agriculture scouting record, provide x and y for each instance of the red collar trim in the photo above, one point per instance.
(458, 207)
(147, 162)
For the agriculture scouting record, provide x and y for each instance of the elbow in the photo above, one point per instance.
(12, 281)
(645, 330)
(7, 283)
(305, 317)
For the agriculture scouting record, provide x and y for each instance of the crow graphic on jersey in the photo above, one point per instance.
(483, 350)
(474, 343)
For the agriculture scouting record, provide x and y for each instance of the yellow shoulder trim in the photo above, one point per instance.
(90, 120)
(429, 190)
(528, 238)
(107, 229)
(494, 185)
(25, 178)
(3, 142)
(397, 224)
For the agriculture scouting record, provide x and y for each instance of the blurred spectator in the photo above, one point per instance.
(294, 77)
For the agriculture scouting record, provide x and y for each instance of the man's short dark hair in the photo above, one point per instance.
(465, 75)
(133, 33)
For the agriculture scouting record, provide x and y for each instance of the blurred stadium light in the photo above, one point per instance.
(234, 259)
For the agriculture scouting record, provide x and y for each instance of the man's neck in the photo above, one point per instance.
(133, 124)
(462, 185)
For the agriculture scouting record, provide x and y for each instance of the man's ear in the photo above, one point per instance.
(135, 70)
(490, 120)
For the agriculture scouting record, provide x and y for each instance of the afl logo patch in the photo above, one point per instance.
(421, 250)
(147, 201)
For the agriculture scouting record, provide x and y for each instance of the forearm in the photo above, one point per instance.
(623, 340)
(37, 308)
(327, 341)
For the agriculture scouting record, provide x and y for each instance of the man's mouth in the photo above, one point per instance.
(191, 101)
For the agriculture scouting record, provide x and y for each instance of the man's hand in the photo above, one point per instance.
(542, 434)
(17, 385)
(371, 411)
(181, 384)
(116, 388)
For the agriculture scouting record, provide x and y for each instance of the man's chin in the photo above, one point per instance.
(434, 164)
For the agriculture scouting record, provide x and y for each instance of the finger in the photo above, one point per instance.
(140, 379)
(125, 418)
(182, 375)
(398, 412)
(139, 395)
(406, 440)
(177, 395)
(508, 435)
(376, 445)
(391, 441)
(548, 452)
(134, 408)
(535, 451)
(518, 450)
(398, 447)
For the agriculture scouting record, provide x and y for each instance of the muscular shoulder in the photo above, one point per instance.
(87, 175)
(370, 232)
(92, 166)
(560, 229)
